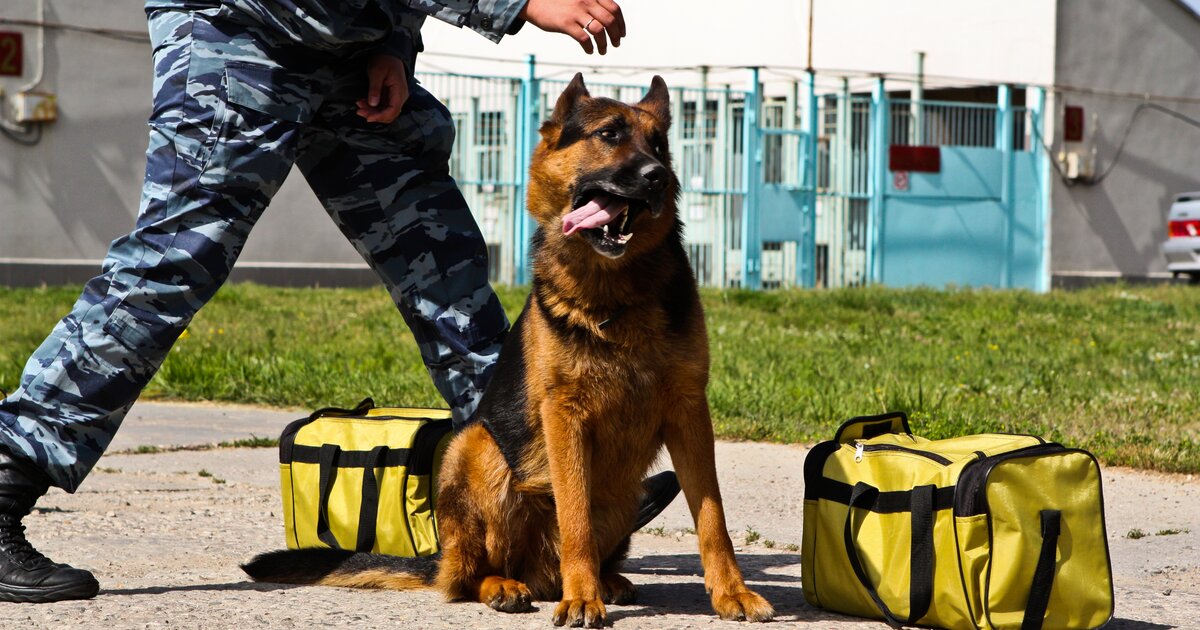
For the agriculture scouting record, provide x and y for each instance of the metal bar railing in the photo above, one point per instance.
(828, 151)
(945, 124)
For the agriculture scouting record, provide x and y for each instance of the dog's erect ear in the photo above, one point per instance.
(570, 98)
(658, 100)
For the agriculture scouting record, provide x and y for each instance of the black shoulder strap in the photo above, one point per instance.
(1043, 575)
(920, 584)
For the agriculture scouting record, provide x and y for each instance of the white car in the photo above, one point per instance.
(1182, 247)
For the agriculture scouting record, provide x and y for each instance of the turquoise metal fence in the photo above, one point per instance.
(792, 187)
(487, 160)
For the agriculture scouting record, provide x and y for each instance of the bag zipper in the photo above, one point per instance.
(969, 495)
(860, 448)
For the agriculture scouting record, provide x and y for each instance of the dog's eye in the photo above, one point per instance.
(609, 133)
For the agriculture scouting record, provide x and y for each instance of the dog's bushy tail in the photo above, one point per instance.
(335, 567)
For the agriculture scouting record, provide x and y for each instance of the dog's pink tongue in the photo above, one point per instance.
(601, 210)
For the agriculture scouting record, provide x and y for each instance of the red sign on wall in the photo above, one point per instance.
(916, 159)
(12, 49)
(1073, 123)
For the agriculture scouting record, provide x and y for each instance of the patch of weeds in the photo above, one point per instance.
(769, 544)
(752, 536)
(1135, 534)
(1171, 531)
(691, 531)
(111, 471)
(655, 531)
(792, 547)
(204, 473)
(251, 442)
(147, 449)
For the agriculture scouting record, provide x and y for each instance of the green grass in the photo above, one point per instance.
(251, 442)
(1112, 369)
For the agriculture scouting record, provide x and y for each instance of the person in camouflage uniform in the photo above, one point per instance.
(244, 90)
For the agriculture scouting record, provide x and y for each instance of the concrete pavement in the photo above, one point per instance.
(165, 539)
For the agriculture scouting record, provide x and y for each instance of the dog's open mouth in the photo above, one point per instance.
(604, 220)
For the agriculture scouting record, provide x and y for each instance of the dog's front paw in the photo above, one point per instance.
(743, 606)
(580, 613)
(506, 595)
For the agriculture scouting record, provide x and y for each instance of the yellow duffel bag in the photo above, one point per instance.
(363, 479)
(983, 531)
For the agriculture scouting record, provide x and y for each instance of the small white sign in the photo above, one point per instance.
(900, 180)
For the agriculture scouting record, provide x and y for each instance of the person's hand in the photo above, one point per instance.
(581, 20)
(387, 89)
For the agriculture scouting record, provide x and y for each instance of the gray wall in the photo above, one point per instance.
(1144, 46)
(64, 200)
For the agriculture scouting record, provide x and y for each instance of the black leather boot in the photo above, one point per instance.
(25, 574)
(660, 489)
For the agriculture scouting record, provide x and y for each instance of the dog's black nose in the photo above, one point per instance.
(655, 176)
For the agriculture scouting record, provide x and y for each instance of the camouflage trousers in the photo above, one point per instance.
(233, 110)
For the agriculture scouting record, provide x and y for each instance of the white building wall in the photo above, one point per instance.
(976, 39)
(1146, 47)
(63, 201)
(66, 197)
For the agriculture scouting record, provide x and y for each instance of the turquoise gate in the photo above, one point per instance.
(981, 218)
(792, 187)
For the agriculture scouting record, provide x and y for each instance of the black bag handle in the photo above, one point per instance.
(1043, 575)
(368, 511)
(327, 461)
(360, 409)
(922, 552)
(867, 427)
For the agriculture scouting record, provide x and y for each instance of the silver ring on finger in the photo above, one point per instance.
(589, 23)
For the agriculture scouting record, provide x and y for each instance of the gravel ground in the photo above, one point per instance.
(165, 543)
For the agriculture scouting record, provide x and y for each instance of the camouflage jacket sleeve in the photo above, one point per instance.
(491, 18)
(403, 44)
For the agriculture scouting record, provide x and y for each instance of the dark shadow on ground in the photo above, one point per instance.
(52, 510)
(262, 587)
(754, 566)
(689, 598)
(1130, 624)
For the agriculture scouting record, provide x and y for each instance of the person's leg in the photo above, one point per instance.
(212, 166)
(388, 188)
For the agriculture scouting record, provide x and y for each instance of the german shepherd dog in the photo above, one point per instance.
(607, 364)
